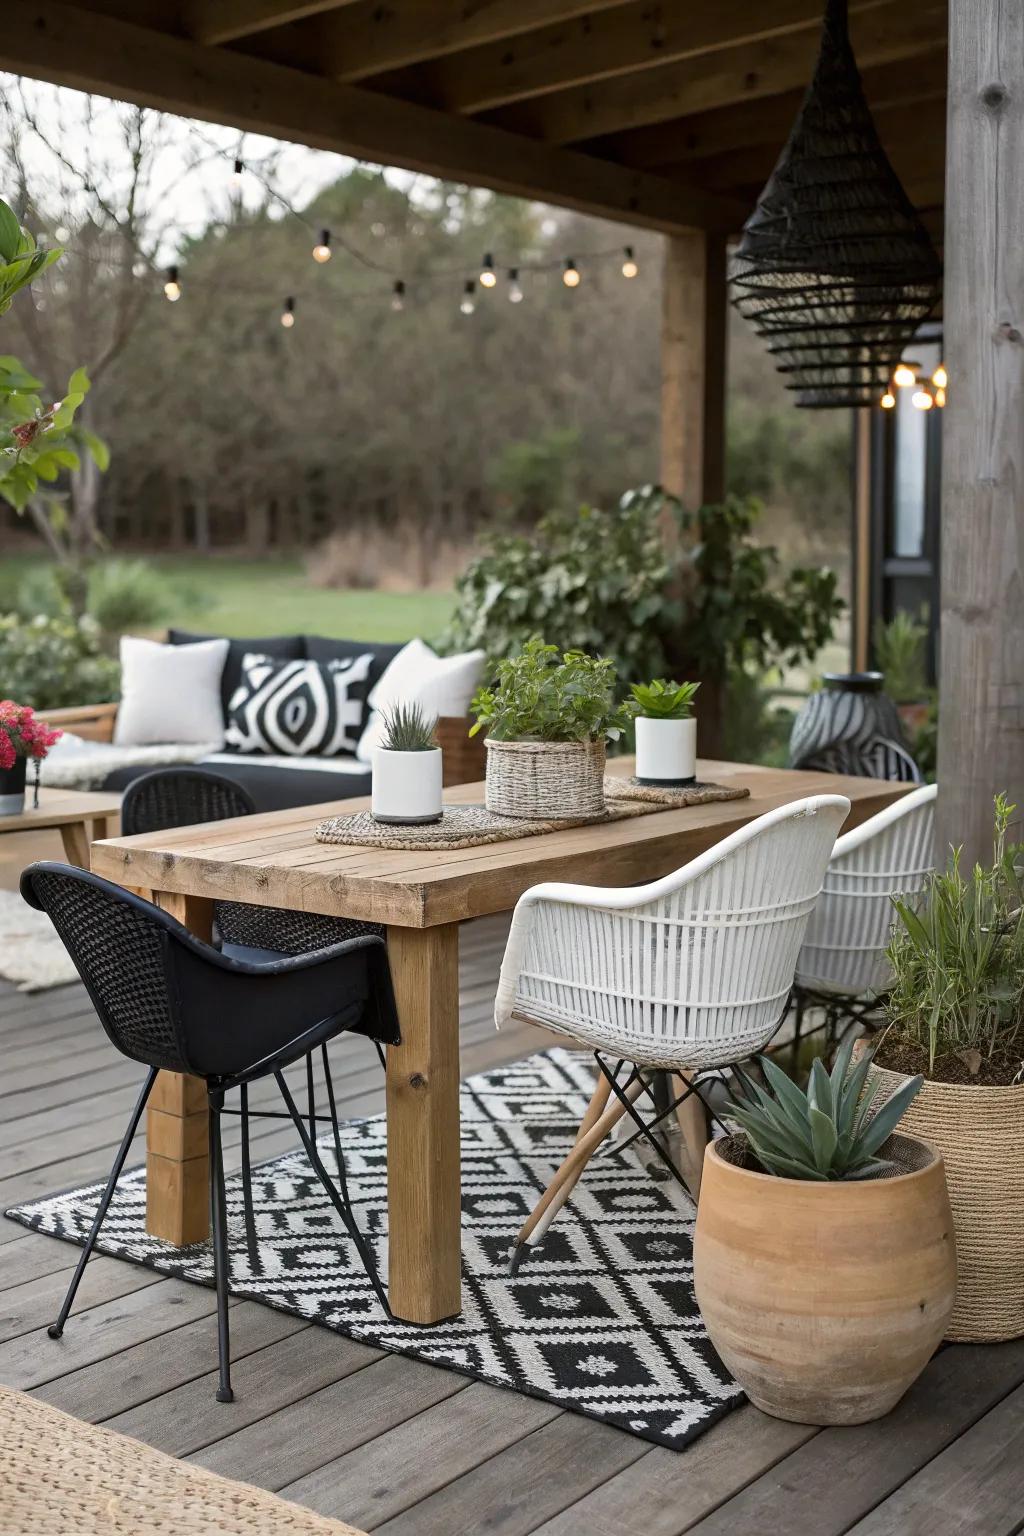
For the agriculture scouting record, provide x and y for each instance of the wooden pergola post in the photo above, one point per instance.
(693, 345)
(981, 700)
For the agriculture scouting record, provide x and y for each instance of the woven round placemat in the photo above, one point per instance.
(461, 826)
(61, 1476)
(691, 794)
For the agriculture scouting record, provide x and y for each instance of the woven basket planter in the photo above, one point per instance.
(980, 1133)
(545, 780)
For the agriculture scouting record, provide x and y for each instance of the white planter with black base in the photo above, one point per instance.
(666, 752)
(406, 787)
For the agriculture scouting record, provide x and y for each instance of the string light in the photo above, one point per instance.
(322, 249)
(488, 276)
(172, 288)
(940, 396)
(571, 274)
(288, 314)
(398, 296)
(888, 400)
(468, 298)
(940, 378)
(238, 172)
(515, 293)
(922, 399)
(629, 266)
(904, 376)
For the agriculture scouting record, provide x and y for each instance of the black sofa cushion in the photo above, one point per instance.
(274, 786)
(284, 647)
(322, 648)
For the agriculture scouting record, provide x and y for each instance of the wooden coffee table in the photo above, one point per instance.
(81, 817)
(274, 860)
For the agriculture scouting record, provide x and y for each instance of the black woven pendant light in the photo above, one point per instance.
(835, 269)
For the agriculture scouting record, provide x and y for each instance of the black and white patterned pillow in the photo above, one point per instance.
(299, 708)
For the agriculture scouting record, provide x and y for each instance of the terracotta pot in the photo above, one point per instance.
(980, 1134)
(825, 1301)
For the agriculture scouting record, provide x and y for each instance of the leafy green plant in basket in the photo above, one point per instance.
(545, 694)
(661, 700)
(827, 1133)
(407, 729)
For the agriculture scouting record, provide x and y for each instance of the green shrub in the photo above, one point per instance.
(129, 595)
(52, 663)
(900, 653)
(546, 695)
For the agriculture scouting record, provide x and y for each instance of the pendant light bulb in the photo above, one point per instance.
(515, 292)
(629, 265)
(322, 249)
(922, 399)
(398, 296)
(172, 288)
(571, 274)
(904, 376)
(888, 400)
(488, 276)
(940, 378)
(288, 314)
(468, 298)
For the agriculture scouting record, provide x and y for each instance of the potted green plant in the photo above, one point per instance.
(666, 733)
(900, 653)
(548, 717)
(22, 736)
(824, 1259)
(406, 787)
(956, 1015)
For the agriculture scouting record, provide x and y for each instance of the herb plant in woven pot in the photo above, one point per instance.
(407, 770)
(956, 1015)
(666, 733)
(548, 718)
(824, 1256)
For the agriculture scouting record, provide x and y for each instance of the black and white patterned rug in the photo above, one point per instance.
(601, 1319)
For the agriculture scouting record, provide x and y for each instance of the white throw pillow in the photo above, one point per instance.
(170, 692)
(440, 685)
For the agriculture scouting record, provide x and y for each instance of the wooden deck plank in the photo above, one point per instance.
(975, 1488)
(405, 1465)
(826, 1486)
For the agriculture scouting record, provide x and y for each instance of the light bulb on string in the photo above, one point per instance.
(888, 400)
(940, 378)
(922, 399)
(468, 298)
(288, 314)
(322, 249)
(398, 296)
(172, 288)
(629, 265)
(571, 274)
(904, 376)
(488, 276)
(940, 396)
(515, 292)
(238, 173)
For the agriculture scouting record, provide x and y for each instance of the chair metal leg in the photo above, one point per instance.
(251, 1243)
(56, 1329)
(218, 1201)
(340, 1205)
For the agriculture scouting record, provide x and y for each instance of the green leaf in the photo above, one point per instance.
(884, 1123)
(10, 233)
(823, 1139)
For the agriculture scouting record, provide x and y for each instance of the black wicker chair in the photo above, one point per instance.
(185, 797)
(171, 1002)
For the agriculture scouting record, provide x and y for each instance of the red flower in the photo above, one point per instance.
(21, 734)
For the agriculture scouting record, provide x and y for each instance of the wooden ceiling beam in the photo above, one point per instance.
(765, 121)
(372, 37)
(71, 46)
(585, 49)
(731, 75)
(214, 22)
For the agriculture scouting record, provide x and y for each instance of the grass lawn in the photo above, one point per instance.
(272, 597)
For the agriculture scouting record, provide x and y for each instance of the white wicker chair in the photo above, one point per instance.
(690, 973)
(842, 965)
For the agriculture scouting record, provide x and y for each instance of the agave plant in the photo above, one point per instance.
(827, 1132)
(406, 729)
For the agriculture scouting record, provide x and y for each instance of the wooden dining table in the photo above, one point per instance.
(274, 859)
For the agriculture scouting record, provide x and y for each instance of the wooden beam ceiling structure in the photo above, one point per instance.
(660, 115)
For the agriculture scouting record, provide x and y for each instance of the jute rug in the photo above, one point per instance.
(466, 826)
(601, 1319)
(61, 1477)
(31, 954)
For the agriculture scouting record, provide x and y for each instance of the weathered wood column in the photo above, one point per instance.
(693, 344)
(981, 721)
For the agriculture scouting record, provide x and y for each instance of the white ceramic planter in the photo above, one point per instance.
(666, 752)
(406, 786)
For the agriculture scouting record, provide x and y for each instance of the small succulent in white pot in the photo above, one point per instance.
(666, 733)
(407, 777)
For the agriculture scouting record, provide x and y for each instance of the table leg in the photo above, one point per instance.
(424, 1192)
(177, 1149)
(76, 844)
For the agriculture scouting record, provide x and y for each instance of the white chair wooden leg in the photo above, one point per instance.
(588, 1139)
(693, 1124)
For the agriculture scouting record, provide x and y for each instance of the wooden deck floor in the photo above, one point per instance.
(402, 1448)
